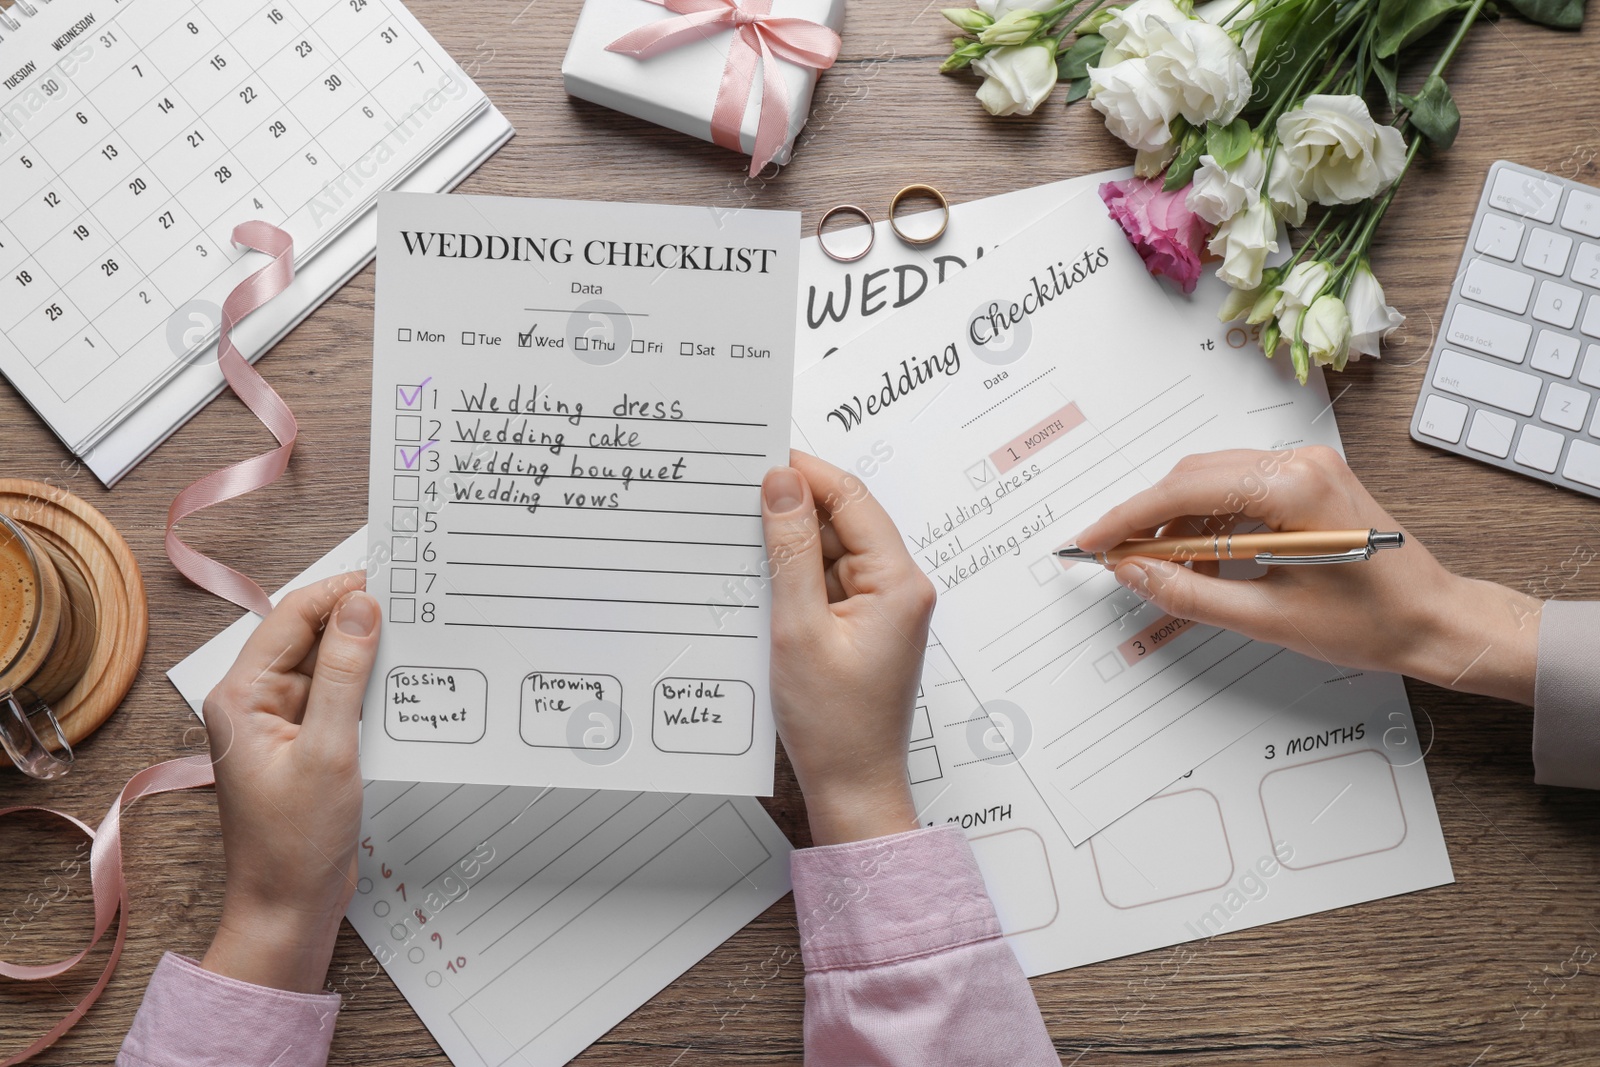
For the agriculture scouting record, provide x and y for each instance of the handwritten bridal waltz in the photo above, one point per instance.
(573, 405)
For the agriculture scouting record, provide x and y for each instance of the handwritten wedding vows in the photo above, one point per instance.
(573, 405)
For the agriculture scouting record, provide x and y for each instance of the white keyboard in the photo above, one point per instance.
(1515, 375)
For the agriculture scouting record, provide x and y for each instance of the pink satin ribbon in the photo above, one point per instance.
(758, 36)
(106, 881)
(258, 471)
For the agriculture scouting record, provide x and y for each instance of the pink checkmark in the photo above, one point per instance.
(412, 398)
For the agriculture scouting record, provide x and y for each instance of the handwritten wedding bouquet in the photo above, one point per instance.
(1241, 114)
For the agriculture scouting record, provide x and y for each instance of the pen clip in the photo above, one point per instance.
(1353, 556)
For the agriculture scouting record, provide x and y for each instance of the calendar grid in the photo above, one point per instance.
(137, 150)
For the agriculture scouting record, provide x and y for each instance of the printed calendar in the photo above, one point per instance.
(135, 134)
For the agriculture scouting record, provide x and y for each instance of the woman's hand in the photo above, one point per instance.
(850, 617)
(283, 730)
(1399, 611)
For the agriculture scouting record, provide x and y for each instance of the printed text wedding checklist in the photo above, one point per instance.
(573, 405)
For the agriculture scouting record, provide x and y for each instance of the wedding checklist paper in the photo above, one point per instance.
(573, 407)
(1045, 385)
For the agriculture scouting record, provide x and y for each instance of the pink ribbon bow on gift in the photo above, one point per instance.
(757, 36)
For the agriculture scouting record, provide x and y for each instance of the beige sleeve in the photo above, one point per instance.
(1566, 696)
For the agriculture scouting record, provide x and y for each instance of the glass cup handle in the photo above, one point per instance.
(18, 710)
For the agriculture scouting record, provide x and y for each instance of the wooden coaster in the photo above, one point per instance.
(76, 531)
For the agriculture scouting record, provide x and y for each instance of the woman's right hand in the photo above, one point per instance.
(1399, 611)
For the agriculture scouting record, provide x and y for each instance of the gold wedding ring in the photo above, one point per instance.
(918, 190)
(846, 209)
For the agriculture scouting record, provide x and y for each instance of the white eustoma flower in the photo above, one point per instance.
(1326, 331)
(1371, 318)
(1016, 79)
(1244, 242)
(1282, 191)
(1303, 285)
(1128, 32)
(1206, 67)
(1335, 153)
(997, 9)
(1137, 109)
(1217, 194)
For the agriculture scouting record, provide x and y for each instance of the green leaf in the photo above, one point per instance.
(1400, 22)
(1078, 89)
(1229, 144)
(1288, 38)
(1434, 112)
(1074, 63)
(1562, 14)
(1388, 77)
(1183, 165)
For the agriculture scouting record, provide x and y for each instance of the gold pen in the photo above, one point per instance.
(1272, 549)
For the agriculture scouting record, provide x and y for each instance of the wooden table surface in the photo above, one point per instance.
(1477, 973)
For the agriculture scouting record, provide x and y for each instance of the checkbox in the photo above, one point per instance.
(402, 609)
(525, 340)
(737, 351)
(405, 334)
(406, 486)
(1044, 569)
(408, 397)
(978, 474)
(408, 457)
(637, 346)
(469, 338)
(405, 520)
(686, 348)
(580, 344)
(408, 427)
(403, 549)
(1108, 666)
(403, 580)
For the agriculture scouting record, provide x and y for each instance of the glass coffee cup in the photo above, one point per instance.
(47, 635)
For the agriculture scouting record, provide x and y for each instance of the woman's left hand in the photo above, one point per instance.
(283, 726)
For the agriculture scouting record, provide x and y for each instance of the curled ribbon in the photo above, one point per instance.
(258, 471)
(758, 36)
(106, 882)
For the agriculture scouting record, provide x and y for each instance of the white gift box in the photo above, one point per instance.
(677, 88)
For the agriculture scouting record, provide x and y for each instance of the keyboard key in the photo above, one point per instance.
(1590, 374)
(1443, 418)
(1499, 237)
(1555, 353)
(1539, 448)
(1491, 334)
(1565, 406)
(1524, 194)
(1497, 286)
(1491, 434)
(1586, 268)
(1557, 304)
(1591, 317)
(1488, 383)
(1583, 213)
(1548, 252)
(1583, 463)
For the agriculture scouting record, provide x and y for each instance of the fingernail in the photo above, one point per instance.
(358, 615)
(782, 490)
(1135, 577)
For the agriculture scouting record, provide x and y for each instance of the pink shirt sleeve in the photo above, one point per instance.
(1566, 696)
(193, 1018)
(905, 965)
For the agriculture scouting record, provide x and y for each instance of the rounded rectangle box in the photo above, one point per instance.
(711, 716)
(561, 710)
(448, 704)
(1334, 808)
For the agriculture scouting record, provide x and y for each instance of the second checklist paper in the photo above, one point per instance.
(573, 406)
